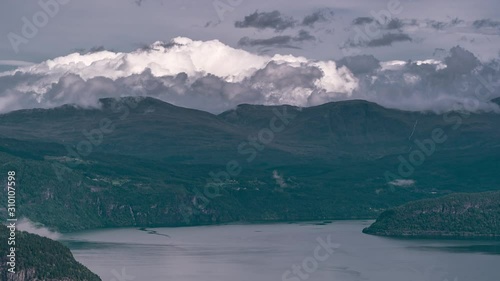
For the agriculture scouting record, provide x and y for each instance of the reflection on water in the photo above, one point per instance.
(493, 248)
(280, 252)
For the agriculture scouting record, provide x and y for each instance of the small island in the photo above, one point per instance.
(461, 215)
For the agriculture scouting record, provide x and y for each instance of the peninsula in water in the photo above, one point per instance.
(457, 215)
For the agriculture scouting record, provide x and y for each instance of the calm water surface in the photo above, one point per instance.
(277, 252)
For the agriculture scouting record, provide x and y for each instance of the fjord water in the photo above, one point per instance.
(265, 252)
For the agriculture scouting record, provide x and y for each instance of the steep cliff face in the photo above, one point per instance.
(21, 275)
(457, 215)
(40, 259)
(31, 275)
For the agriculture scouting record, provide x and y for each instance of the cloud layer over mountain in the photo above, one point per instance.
(211, 76)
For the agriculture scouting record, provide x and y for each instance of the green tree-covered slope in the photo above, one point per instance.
(40, 259)
(456, 215)
(144, 162)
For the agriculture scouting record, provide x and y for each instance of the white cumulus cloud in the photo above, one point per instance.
(179, 68)
(212, 76)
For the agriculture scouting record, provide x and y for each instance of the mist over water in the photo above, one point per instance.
(27, 225)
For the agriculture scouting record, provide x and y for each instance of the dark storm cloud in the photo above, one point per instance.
(325, 15)
(385, 40)
(278, 41)
(284, 76)
(166, 45)
(361, 64)
(91, 50)
(461, 61)
(263, 20)
(388, 39)
(362, 20)
(395, 23)
(304, 36)
(97, 49)
(486, 23)
(399, 24)
(440, 25)
(282, 40)
(388, 24)
(278, 22)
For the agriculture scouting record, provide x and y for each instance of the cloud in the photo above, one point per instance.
(325, 15)
(263, 20)
(400, 24)
(394, 23)
(97, 49)
(361, 64)
(486, 23)
(388, 39)
(15, 63)
(362, 20)
(457, 82)
(212, 76)
(304, 36)
(276, 21)
(441, 25)
(27, 225)
(388, 24)
(282, 41)
(206, 75)
(460, 61)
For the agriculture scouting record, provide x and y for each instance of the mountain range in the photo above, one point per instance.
(144, 162)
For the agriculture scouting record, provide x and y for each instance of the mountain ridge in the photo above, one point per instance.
(152, 101)
(140, 162)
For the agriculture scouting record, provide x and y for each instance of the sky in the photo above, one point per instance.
(125, 25)
(316, 35)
